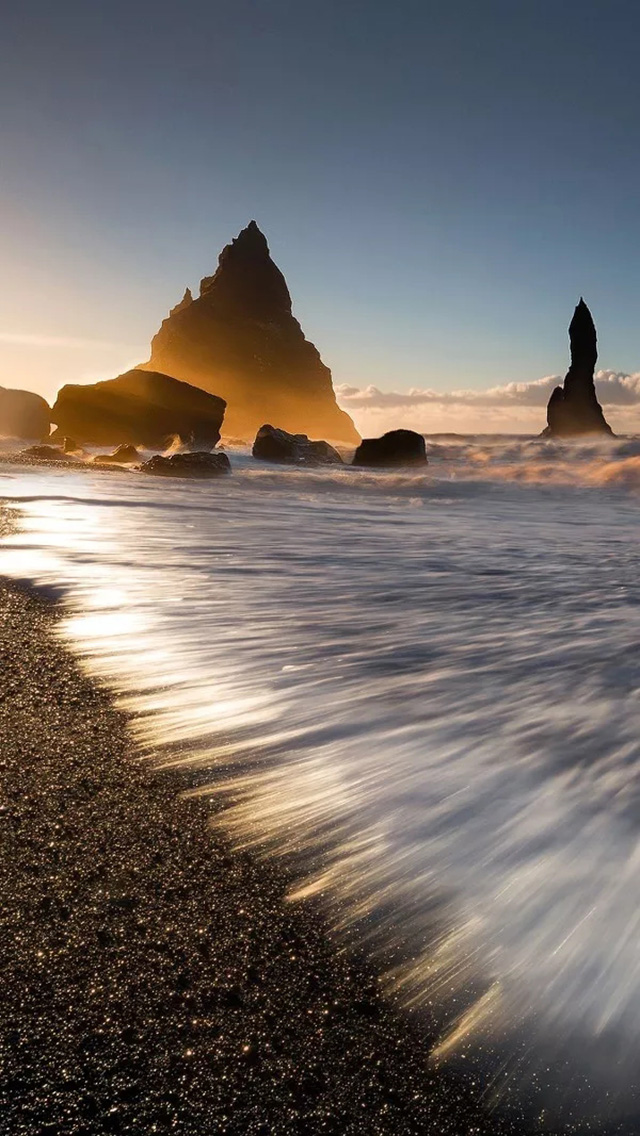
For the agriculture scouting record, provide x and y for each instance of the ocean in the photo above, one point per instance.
(421, 690)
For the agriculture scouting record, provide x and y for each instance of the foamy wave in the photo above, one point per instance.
(423, 689)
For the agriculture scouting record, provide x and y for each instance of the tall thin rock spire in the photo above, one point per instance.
(573, 408)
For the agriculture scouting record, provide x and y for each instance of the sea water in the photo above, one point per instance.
(422, 688)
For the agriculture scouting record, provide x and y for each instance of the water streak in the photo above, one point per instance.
(423, 688)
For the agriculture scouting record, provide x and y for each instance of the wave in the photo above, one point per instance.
(422, 689)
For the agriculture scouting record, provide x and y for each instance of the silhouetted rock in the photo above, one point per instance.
(574, 408)
(201, 464)
(46, 453)
(23, 414)
(69, 445)
(184, 302)
(240, 339)
(124, 455)
(276, 445)
(396, 448)
(141, 407)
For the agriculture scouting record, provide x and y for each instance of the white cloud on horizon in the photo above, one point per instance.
(512, 407)
(614, 388)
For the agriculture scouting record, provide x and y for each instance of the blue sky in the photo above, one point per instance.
(438, 182)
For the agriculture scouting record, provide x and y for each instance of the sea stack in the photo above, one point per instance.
(574, 408)
(239, 339)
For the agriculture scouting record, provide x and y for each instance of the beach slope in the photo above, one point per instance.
(154, 978)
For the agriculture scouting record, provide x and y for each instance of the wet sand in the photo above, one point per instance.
(154, 978)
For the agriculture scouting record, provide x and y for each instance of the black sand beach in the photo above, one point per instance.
(154, 979)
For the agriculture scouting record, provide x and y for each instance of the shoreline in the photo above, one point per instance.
(154, 974)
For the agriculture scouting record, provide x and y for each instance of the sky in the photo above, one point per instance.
(439, 182)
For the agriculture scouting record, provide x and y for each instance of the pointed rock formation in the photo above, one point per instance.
(574, 408)
(184, 303)
(239, 339)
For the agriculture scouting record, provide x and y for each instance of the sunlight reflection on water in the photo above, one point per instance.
(424, 688)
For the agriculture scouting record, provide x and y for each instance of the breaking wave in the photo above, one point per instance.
(421, 688)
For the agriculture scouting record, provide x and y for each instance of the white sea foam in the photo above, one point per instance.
(423, 687)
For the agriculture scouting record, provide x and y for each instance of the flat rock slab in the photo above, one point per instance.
(144, 408)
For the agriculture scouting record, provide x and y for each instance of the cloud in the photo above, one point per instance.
(614, 389)
(66, 342)
(617, 389)
(510, 408)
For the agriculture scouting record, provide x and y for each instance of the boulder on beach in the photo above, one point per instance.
(124, 455)
(396, 448)
(573, 408)
(239, 338)
(46, 453)
(23, 414)
(274, 445)
(200, 465)
(140, 407)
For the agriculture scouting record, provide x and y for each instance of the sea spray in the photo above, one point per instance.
(422, 688)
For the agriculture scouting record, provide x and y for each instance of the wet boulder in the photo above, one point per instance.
(23, 414)
(45, 453)
(200, 465)
(123, 455)
(142, 408)
(274, 445)
(396, 448)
